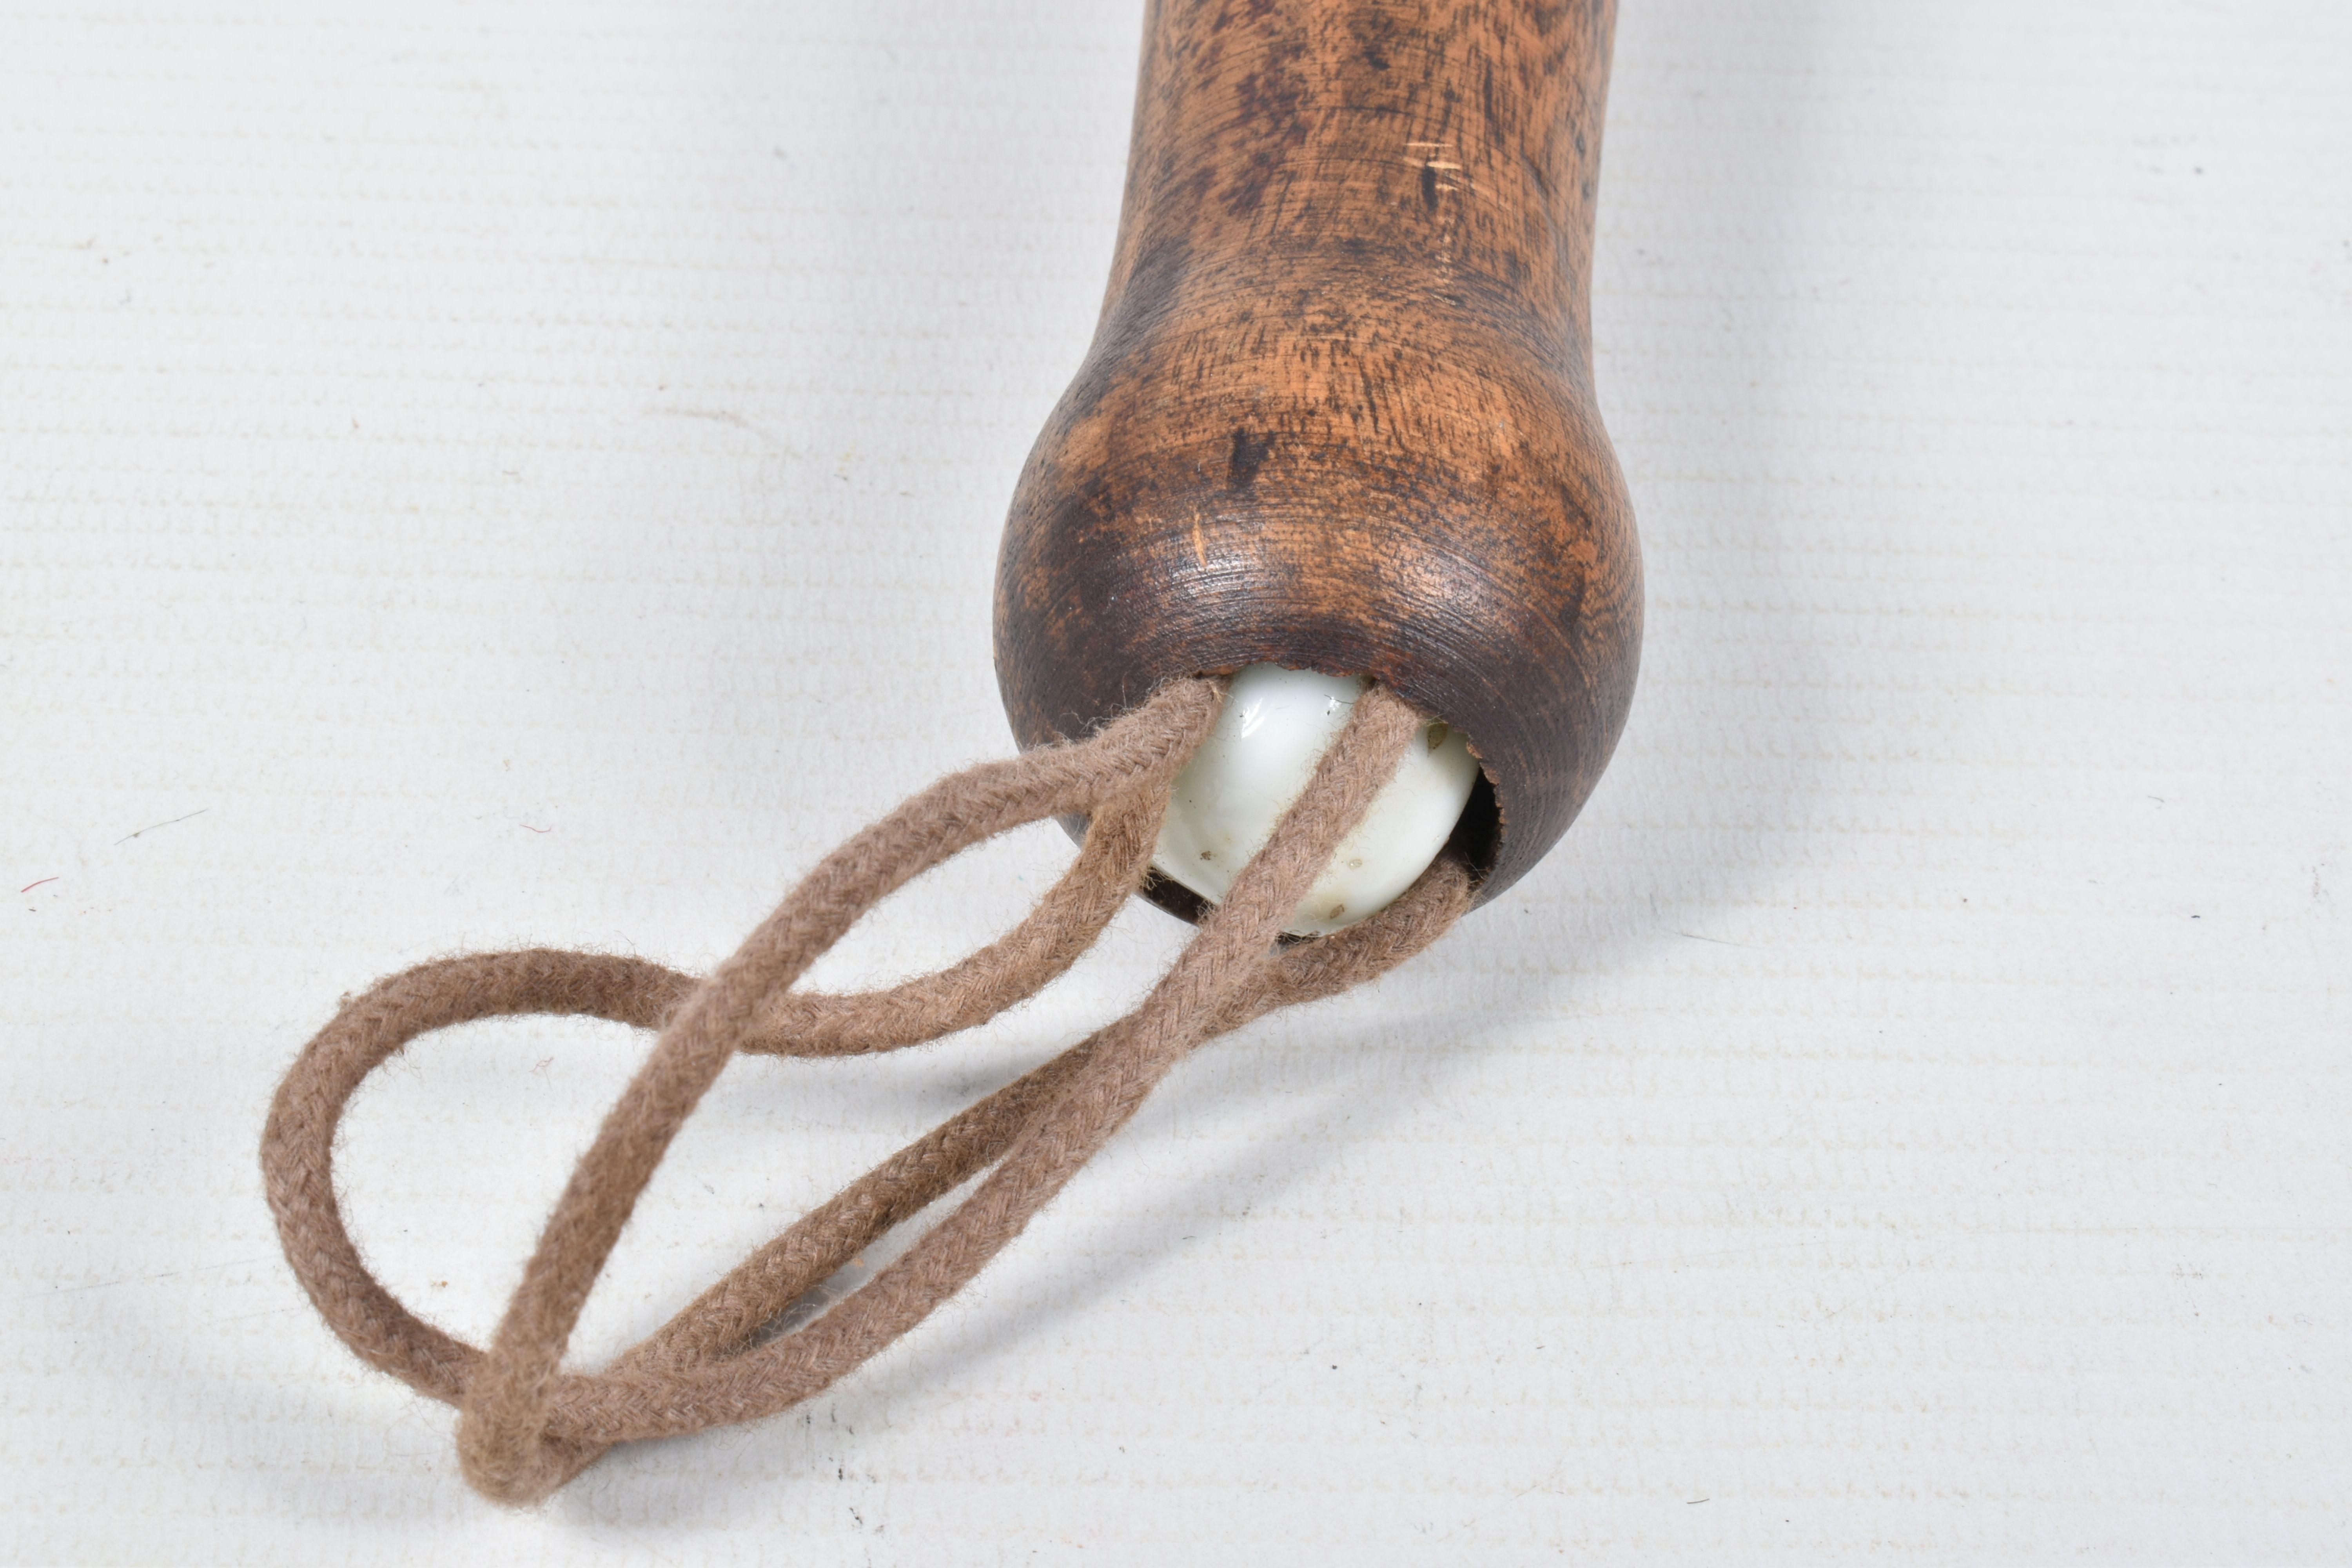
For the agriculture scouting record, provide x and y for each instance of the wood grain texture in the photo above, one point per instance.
(1339, 410)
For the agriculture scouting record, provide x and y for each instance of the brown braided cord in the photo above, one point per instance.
(525, 1427)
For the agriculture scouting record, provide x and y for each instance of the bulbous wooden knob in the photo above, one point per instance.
(1337, 414)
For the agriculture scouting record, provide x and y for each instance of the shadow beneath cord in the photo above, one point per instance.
(1347, 1073)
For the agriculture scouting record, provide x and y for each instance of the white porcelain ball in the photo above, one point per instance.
(1276, 726)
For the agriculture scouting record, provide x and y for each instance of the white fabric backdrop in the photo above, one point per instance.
(475, 475)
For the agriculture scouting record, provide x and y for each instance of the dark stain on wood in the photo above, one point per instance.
(1248, 457)
(1338, 412)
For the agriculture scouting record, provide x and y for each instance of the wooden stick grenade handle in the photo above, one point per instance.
(1339, 410)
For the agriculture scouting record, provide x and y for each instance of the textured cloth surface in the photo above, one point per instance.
(485, 477)
(525, 1427)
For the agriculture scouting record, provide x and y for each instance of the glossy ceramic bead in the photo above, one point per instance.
(1276, 723)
